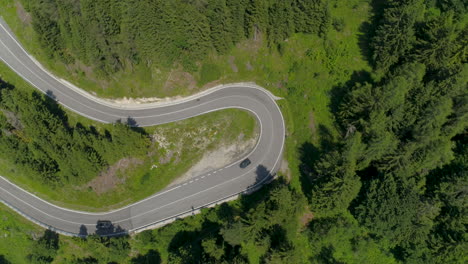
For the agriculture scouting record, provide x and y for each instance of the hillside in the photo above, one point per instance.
(375, 101)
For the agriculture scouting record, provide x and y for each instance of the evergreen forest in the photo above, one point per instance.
(110, 34)
(382, 177)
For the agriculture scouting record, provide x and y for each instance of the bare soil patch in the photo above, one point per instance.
(312, 125)
(24, 16)
(249, 66)
(109, 179)
(306, 218)
(233, 64)
(13, 119)
(284, 169)
(179, 78)
(252, 45)
(167, 158)
(79, 67)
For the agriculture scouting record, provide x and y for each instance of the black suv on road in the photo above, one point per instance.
(245, 163)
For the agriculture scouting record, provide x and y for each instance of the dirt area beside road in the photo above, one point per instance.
(219, 158)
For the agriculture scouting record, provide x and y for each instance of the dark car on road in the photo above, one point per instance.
(245, 163)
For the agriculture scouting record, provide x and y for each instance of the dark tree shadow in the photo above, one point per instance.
(51, 238)
(151, 257)
(83, 231)
(367, 30)
(209, 226)
(438, 176)
(87, 260)
(400, 253)
(252, 200)
(367, 176)
(279, 239)
(6, 86)
(309, 155)
(108, 135)
(182, 238)
(339, 92)
(255, 193)
(263, 175)
(326, 256)
(107, 228)
(327, 140)
(324, 226)
(80, 126)
(3, 260)
(225, 212)
(132, 122)
(44, 249)
(87, 131)
(50, 103)
(186, 247)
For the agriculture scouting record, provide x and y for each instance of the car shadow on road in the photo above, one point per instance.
(103, 228)
(107, 228)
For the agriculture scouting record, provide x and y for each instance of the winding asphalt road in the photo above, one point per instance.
(205, 190)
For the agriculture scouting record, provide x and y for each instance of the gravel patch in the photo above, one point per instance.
(217, 159)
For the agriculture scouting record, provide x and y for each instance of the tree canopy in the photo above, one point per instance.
(390, 186)
(111, 34)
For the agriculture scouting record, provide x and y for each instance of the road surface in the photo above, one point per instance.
(202, 191)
